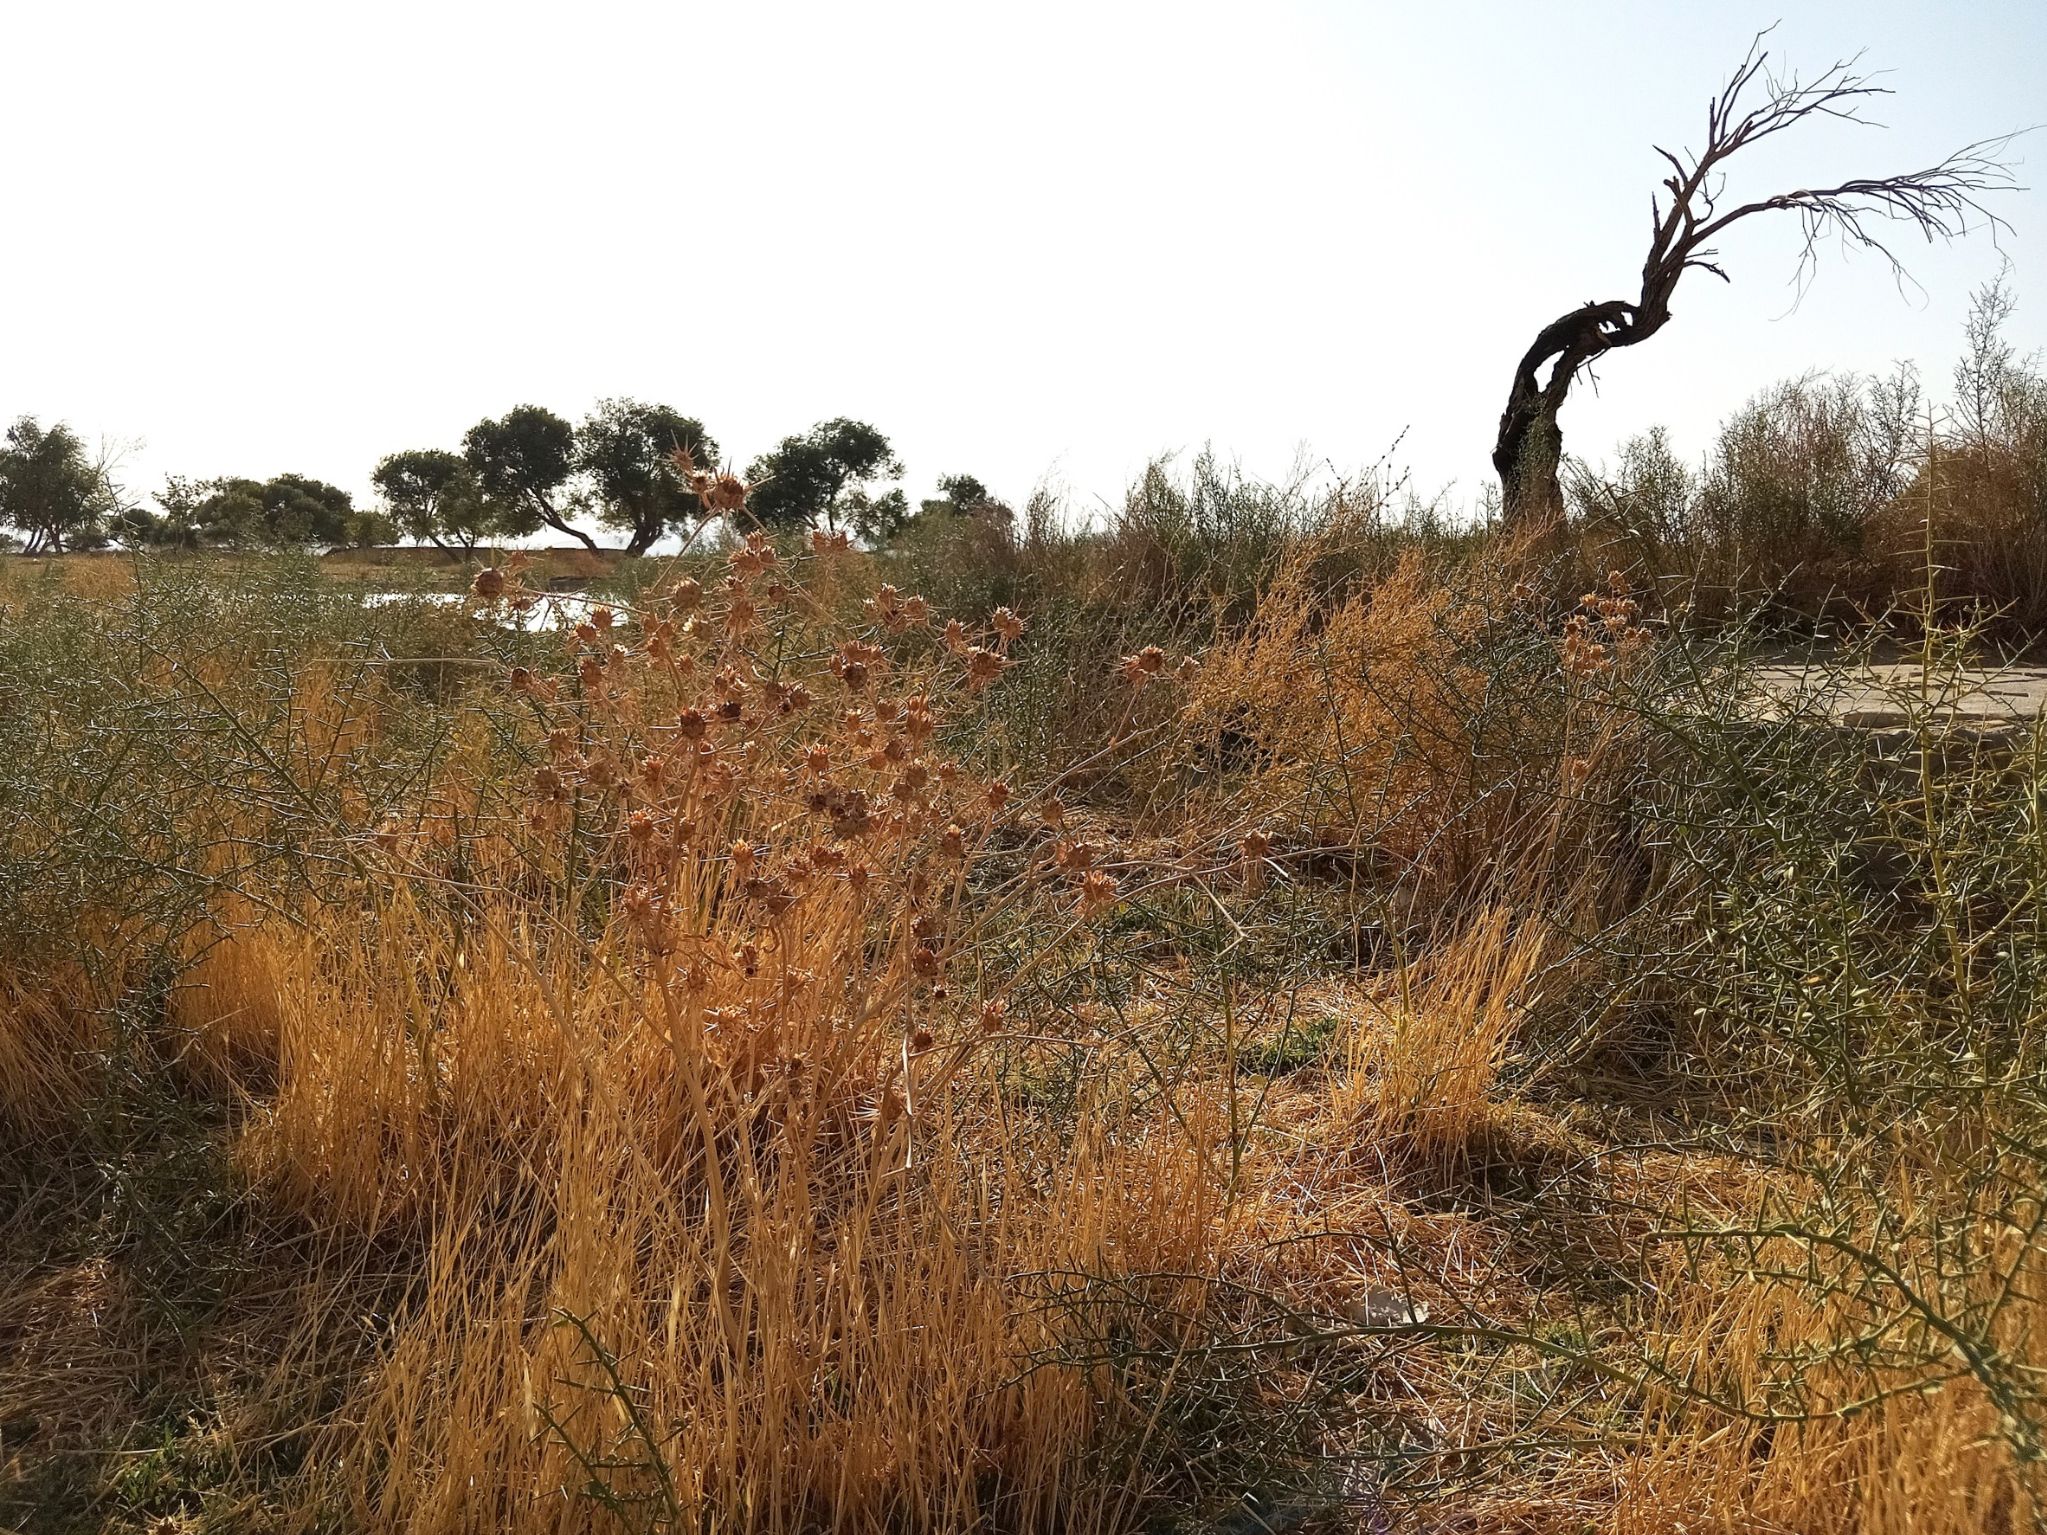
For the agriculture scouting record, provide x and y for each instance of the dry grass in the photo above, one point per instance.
(677, 1085)
(1428, 1056)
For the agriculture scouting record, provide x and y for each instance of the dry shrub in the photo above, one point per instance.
(631, 1136)
(795, 1261)
(98, 575)
(1897, 1435)
(662, 1074)
(1427, 1056)
(1440, 723)
(228, 1003)
(1986, 504)
(48, 1029)
(1349, 709)
(812, 1310)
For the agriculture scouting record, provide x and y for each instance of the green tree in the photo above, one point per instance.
(136, 527)
(299, 511)
(627, 449)
(827, 475)
(367, 527)
(434, 495)
(181, 498)
(50, 490)
(525, 461)
(228, 513)
(287, 511)
(962, 495)
(962, 492)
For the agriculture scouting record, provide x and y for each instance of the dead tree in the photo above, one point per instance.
(1936, 203)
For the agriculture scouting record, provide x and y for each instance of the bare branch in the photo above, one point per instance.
(1937, 203)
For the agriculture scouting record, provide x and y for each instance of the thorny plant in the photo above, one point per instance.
(1438, 1051)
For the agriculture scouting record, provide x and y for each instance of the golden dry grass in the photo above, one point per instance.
(669, 1130)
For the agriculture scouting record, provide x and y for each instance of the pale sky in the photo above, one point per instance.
(1034, 243)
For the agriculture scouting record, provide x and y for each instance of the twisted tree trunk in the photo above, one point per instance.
(1529, 449)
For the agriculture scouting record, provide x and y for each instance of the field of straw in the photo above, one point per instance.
(1297, 1028)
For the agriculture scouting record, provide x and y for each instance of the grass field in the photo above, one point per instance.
(1274, 1023)
(404, 568)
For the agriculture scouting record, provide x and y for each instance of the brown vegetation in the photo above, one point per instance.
(1265, 1013)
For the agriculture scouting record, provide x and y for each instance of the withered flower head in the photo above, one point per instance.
(984, 666)
(851, 813)
(771, 892)
(852, 661)
(1140, 668)
(918, 723)
(725, 493)
(1097, 893)
(752, 557)
(1074, 857)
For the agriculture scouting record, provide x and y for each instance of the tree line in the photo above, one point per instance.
(512, 476)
